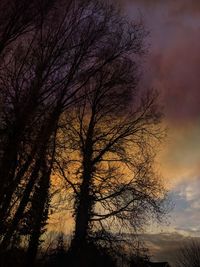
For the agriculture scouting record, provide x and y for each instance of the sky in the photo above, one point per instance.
(173, 68)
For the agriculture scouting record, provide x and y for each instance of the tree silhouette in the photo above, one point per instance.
(107, 145)
(73, 60)
(188, 255)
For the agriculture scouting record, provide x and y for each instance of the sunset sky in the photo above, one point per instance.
(173, 68)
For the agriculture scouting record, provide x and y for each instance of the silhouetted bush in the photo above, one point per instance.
(12, 258)
(90, 256)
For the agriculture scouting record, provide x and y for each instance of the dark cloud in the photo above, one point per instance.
(175, 70)
(176, 6)
(174, 61)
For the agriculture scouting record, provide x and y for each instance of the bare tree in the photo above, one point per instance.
(20, 21)
(107, 145)
(188, 255)
(20, 17)
(50, 71)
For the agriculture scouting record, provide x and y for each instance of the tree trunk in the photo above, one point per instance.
(80, 240)
(83, 215)
(41, 195)
(85, 202)
(40, 212)
(21, 208)
(84, 207)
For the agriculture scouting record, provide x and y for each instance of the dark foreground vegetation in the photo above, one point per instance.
(77, 131)
(89, 256)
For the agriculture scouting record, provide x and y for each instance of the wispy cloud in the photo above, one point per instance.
(186, 213)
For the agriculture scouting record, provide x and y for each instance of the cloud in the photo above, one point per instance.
(164, 246)
(173, 67)
(189, 191)
(180, 157)
(175, 71)
(174, 60)
(178, 6)
(186, 213)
